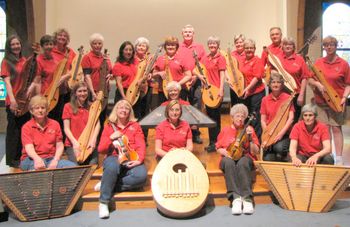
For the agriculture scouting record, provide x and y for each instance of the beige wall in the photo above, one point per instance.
(119, 20)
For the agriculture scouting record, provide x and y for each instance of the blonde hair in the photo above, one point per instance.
(171, 40)
(61, 30)
(38, 100)
(237, 37)
(276, 76)
(173, 84)
(113, 116)
(171, 104)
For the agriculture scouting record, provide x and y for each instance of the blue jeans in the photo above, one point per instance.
(119, 178)
(28, 163)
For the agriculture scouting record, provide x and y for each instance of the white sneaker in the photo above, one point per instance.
(97, 187)
(237, 206)
(103, 211)
(339, 161)
(248, 207)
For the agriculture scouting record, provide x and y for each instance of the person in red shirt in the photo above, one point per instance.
(75, 118)
(126, 176)
(174, 89)
(238, 177)
(337, 73)
(215, 64)
(186, 51)
(11, 68)
(275, 46)
(175, 64)
(42, 139)
(295, 65)
(173, 132)
(310, 140)
(269, 107)
(254, 90)
(91, 64)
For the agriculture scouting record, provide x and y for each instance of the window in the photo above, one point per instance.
(336, 22)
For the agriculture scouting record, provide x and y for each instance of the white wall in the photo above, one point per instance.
(119, 20)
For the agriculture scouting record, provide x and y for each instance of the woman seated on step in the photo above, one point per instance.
(310, 140)
(42, 139)
(172, 132)
(237, 173)
(75, 118)
(118, 175)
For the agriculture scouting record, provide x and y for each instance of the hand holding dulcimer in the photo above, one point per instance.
(27, 75)
(289, 81)
(330, 95)
(235, 150)
(210, 93)
(76, 71)
(103, 84)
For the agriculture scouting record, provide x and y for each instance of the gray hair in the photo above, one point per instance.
(173, 85)
(278, 28)
(141, 40)
(214, 39)
(188, 26)
(309, 108)
(239, 108)
(276, 76)
(249, 42)
(237, 37)
(288, 40)
(330, 39)
(96, 36)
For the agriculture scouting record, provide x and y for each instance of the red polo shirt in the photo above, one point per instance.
(181, 101)
(44, 141)
(134, 133)
(186, 52)
(250, 69)
(214, 65)
(271, 104)
(17, 80)
(228, 135)
(296, 67)
(309, 143)
(58, 55)
(239, 56)
(173, 137)
(78, 121)
(91, 63)
(126, 71)
(337, 75)
(177, 66)
(45, 69)
(274, 50)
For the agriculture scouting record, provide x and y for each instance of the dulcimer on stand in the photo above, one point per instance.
(210, 93)
(52, 93)
(27, 75)
(76, 71)
(289, 81)
(330, 95)
(236, 81)
(88, 132)
(276, 125)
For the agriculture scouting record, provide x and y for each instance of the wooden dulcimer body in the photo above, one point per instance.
(276, 125)
(289, 81)
(52, 93)
(103, 85)
(76, 70)
(180, 184)
(330, 95)
(210, 93)
(168, 77)
(27, 75)
(133, 92)
(236, 80)
(85, 137)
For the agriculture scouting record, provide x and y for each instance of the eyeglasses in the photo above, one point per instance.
(329, 45)
(308, 115)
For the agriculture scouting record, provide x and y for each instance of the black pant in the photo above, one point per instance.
(13, 137)
(297, 109)
(327, 159)
(253, 103)
(278, 151)
(195, 99)
(214, 114)
(238, 177)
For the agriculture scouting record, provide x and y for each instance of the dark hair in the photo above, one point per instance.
(46, 39)
(121, 57)
(10, 58)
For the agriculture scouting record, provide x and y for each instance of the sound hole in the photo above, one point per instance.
(178, 167)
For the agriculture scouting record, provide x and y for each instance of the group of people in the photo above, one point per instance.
(34, 140)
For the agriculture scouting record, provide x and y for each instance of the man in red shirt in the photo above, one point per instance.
(275, 46)
(310, 140)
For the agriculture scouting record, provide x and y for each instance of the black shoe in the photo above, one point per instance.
(211, 148)
(197, 139)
